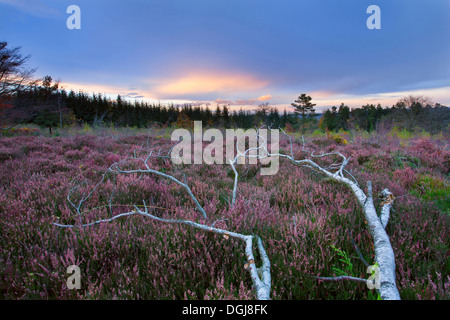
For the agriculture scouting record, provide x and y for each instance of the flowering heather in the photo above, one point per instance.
(299, 215)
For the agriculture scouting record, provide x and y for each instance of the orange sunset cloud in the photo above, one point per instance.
(265, 98)
(95, 88)
(202, 83)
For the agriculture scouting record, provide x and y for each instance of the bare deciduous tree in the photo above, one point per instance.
(410, 100)
(14, 75)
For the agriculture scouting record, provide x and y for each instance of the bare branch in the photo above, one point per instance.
(262, 284)
(340, 278)
(360, 254)
(115, 168)
(260, 276)
(384, 254)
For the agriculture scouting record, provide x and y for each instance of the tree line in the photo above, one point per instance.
(48, 106)
(410, 113)
(24, 99)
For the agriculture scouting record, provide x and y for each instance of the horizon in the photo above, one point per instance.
(238, 53)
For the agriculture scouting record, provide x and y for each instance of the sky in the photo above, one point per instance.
(238, 52)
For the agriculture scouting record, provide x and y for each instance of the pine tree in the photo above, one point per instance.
(304, 106)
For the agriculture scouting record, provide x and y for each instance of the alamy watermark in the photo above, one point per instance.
(74, 281)
(374, 21)
(74, 20)
(252, 145)
(373, 282)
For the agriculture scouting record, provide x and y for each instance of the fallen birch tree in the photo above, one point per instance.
(384, 254)
(261, 277)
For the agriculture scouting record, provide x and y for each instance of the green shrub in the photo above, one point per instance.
(433, 189)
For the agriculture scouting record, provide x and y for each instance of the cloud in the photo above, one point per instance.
(201, 103)
(384, 98)
(265, 98)
(243, 102)
(34, 7)
(440, 95)
(107, 90)
(223, 101)
(112, 92)
(246, 102)
(197, 83)
(134, 95)
(250, 102)
(323, 99)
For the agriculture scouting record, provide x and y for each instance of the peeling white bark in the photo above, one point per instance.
(384, 254)
(262, 283)
(261, 277)
(386, 206)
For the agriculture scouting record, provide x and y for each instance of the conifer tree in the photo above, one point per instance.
(303, 106)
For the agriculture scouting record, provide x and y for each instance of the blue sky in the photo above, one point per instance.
(242, 52)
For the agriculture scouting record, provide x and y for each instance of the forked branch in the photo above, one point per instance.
(261, 277)
(384, 254)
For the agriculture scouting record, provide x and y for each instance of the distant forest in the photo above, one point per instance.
(24, 100)
(48, 106)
